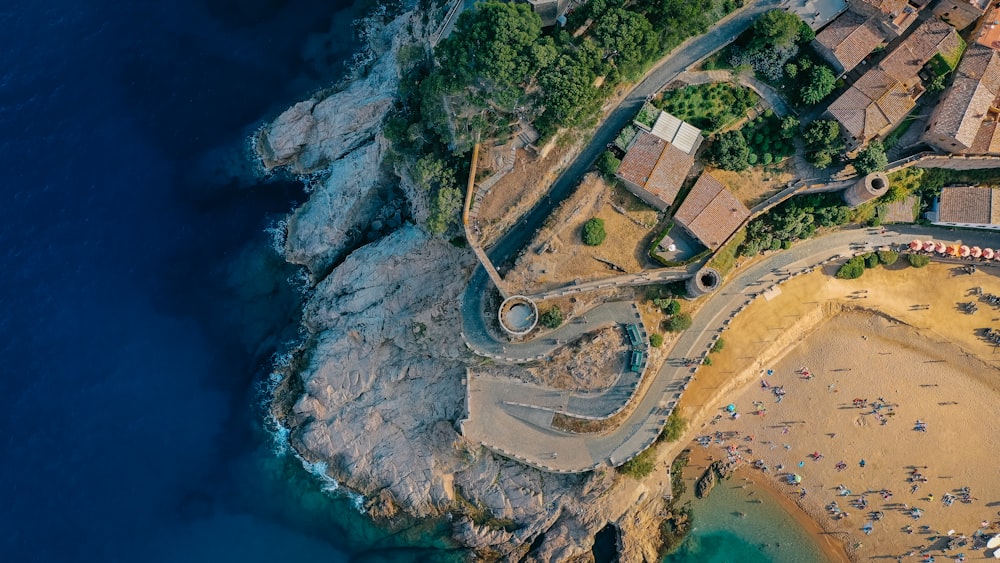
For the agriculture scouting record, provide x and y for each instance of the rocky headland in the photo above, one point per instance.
(377, 386)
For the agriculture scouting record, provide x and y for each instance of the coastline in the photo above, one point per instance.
(950, 335)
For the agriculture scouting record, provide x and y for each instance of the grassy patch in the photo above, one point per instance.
(710, 107)
(725, 257)
(952, 58)
(641, 465)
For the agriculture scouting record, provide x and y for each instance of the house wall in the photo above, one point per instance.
(640, 192)
(967, 225)
(944, 142)
(828, 56)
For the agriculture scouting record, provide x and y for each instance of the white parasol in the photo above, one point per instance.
(994, 542)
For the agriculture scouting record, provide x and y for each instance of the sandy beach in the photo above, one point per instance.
(933, 368)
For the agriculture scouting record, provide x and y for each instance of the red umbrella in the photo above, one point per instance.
(988, 253)
(976, 252)
(963, 251)
(941, 248)
(929, 246)
(916, 245)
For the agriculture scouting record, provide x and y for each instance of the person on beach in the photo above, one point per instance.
(862, 462)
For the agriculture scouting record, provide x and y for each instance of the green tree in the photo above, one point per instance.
(718, 346)
(888, 257)
(678, 323)
(820, 84)
(937, 83)
(444, 209)
(730, 151)
(656, 340)
(608, 164)
(822, 139)
(872, 158)
(871, 260)
(674, 429)
(568, 93)
(852, 269)
(627, 38)
(789, 126)
(551, 318)
(593, 232)
(918, 260)
(776, 28)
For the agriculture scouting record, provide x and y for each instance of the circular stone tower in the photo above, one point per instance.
(866, 189)
(704, 281)
(517, 315)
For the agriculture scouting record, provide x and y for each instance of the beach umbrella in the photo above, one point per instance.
(953, 249)
(963, 251)
(929, 246)
(994, 542)
(797, 478)
(916, 245)
(975, 252)
(996, 554)
(941, 248)
(988, 253)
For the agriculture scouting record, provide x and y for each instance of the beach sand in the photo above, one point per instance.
(933, 367)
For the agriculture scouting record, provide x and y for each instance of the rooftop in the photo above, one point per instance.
(679, 133)
(932, 37)
(875, 101)
(655, 165)
(850, 37)
(989, 33)
(961, 112)
(711, 212)
(975, 205)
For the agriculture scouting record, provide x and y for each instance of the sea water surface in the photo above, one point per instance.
(139, 303)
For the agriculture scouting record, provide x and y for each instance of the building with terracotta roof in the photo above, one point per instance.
(872, 106)
(968, 112)
(654, 170)
(847, 40)
(878, 101)
(967, 206)
(988, 34)
(961, 13)
(894, 16)
(711, 213)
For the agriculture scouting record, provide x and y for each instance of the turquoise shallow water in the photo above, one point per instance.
(767, 534)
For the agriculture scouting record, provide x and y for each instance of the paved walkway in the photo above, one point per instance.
(499, 420)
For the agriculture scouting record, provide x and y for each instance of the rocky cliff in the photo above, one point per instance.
(377, 388)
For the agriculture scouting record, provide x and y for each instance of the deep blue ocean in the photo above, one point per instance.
(139, 303)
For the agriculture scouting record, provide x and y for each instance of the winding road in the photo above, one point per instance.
(514, 418)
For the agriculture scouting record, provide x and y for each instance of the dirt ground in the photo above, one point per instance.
(567, 258)
(592, 363)
(754, 185)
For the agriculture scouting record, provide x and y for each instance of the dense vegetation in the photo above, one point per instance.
(770, 138)
(593, 232)
(499, 66)
(674, 429)
(552, 317)
(795, 219)
(872, 158)
(730, 151)
(708, 106)
(823, 142)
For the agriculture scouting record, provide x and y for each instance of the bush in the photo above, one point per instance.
(593, 232)
(679, 322)
(888, 257)
(608, 164)
(640, 466)
(670, 306)
(871, 260)
(918, 260)
(718, 346)
(656, 340)
(872, 159)
(551, 318)
(707, 361)
(674, 429)
(730, 151)
(852, 269)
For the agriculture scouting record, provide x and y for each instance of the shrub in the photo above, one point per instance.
(852, 269)
(871, 260)
(888, 257)
(730, 151)
(707, 361)
(679, 322)
(918, 260)
(551, 318)
(718, 346)
(593, 232)
(872, 159)
(656, 340)
(608, 164)
(674, 429)
(670, 306)
(640, 466)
